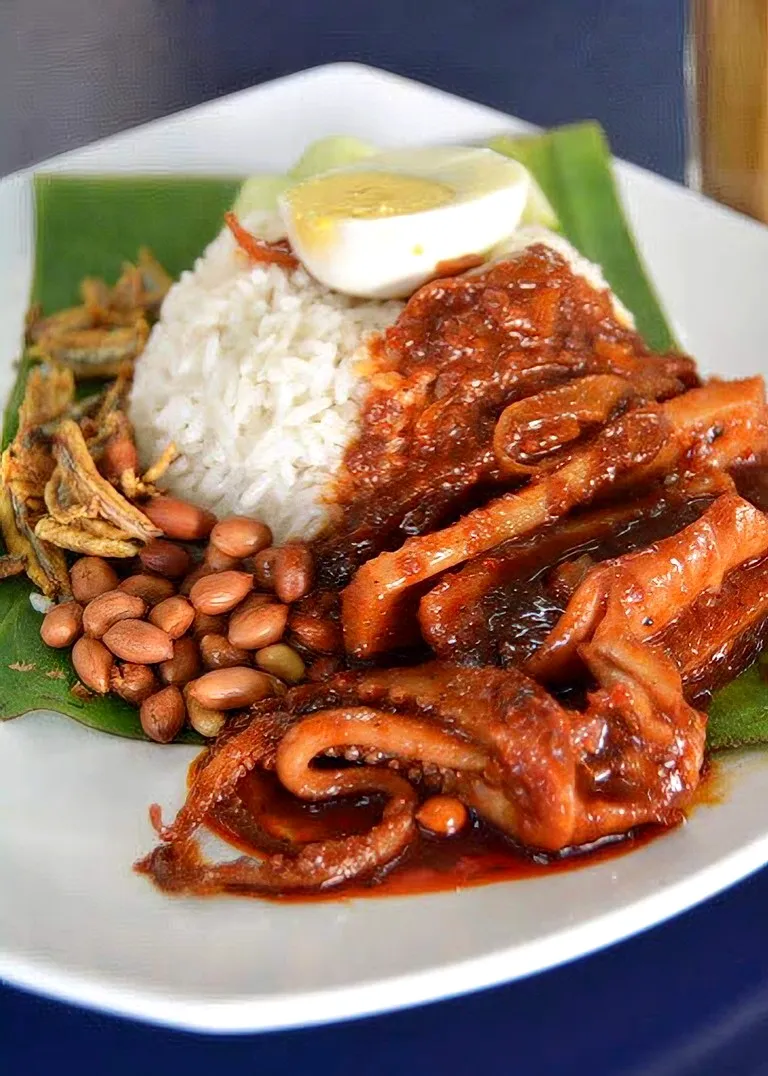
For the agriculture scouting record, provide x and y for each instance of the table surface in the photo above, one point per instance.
(689, 997)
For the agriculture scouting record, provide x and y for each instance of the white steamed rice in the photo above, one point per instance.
(251, 372)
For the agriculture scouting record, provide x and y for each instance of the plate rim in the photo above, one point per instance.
(359, 1000)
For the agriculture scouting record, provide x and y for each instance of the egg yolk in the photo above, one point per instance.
(318, 203)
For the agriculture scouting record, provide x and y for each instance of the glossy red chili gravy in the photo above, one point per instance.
(263, 813)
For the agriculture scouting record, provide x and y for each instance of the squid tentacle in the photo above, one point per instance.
(393, 734)
(321, 863)
(179, 866)
(217, 779)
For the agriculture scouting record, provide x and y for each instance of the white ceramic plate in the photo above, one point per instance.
(76, 923)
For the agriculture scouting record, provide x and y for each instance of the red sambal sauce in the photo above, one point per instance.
(262, 812)
(463, 349)
(466, 345)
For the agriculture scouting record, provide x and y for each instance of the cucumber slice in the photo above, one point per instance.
(336, 151)
(538, 209)
(259, 194)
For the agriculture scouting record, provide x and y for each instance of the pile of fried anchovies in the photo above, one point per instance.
(70, 478)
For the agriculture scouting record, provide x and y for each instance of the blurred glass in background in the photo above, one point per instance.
(727, 79)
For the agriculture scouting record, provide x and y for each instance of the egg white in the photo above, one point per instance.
(389, 257)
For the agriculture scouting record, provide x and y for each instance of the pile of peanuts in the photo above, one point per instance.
(190, 642)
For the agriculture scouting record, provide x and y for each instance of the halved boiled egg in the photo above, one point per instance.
(380, 228)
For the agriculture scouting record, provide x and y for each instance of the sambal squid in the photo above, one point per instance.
(514, 591)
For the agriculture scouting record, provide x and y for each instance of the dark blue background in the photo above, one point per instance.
(75, 70)
(690, 997)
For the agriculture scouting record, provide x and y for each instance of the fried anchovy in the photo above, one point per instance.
(48, 395)
(71, 320)
(109, 417)
(142, 286)
(45, 565)
(60, 499)
(100, 352)
(102, 499)
(26, 467)
(155, 281)
(101, 529)
(108, 329)
(80, 541)
(96, 299)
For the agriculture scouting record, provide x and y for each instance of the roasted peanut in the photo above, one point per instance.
(208, 723)
(106, 610)
(241, 537)
(119, 455)
(174, 616)
(282, 661)
(220, 592)
(178, 519)
(227, 689)
(263, 567)
(254, 600)
(205, 624)
(216, 561)
(189, 580)
(138, 642)
(134, 683)
(92, 663)
(62, 625)
(165, 558)
(162, 714)
(317, 633)
(443, 815)
(218, 652)
(152, 588)
(184, 665)
(256, 627)
(91, 576)
(292, 572)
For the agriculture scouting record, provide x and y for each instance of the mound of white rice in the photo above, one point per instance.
(251, 371)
